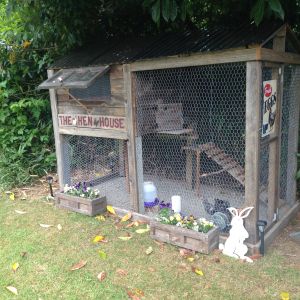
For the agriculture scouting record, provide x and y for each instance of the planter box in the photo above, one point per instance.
(90, 207)
(185, 238)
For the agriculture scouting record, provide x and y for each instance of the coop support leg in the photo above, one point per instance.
(252, 150)
(59, 145)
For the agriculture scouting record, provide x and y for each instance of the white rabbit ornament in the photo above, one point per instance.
(234, 245)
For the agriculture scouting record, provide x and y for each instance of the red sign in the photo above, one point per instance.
(92, 121)
(268, 90)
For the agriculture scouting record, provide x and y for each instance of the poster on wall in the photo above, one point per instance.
(269, 107)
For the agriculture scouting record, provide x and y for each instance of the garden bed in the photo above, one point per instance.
(185, 238)
(90, 207)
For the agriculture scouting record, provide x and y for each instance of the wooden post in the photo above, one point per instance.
(58, 137)
(252, 151)
(274, 151)
(130, 114)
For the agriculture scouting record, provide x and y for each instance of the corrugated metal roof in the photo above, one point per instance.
(168, 44)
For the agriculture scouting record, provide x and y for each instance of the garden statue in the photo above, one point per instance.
(234, 245)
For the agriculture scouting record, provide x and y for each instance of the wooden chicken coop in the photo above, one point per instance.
(210, 115)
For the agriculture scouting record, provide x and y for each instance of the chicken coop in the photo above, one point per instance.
(210, 115)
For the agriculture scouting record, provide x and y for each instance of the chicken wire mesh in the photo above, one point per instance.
(101, 162)
(191, 135)
(289, 132)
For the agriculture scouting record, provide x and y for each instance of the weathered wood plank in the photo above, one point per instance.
(252, 146)
(128, 86)
(197, 59)
(58, 137)
(105, 133)
(279, 57)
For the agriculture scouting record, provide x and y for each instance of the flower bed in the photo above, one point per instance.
(82, 199)
(187, 232)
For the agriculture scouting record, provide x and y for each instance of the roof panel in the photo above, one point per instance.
(167, 44)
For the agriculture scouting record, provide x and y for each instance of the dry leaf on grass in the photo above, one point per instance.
(197, 271)
(185, 252)
(23, 254)
(143, 230)
(101, 276)
(135, 294)
(12, 196)
(12, 289)
(46, 225)
(149, 250)
(110, 209)
(79, 265)
(15, 266)
(124, 238)
(98, 238)
(126, 217)
(59, 227)
(130, 225)
(121, 272)
(256, 256)
(100, 218)
(190, 259)
(20, 212)
(150, 269)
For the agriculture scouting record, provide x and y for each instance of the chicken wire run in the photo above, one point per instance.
(102, 163)
(191, 135)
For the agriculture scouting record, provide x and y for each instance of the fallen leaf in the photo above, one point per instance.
(132, 296)
(135, 294)
(100, 218)
(15, 266)
(217, 260)
(101, 276)
(59, 227)
(150, 269)
(124, 238)
(12, 196)
(20, 212)
(118, 225)
(46, 225)
(23, 254)
(136, 223)
(126, 217)
(149, 250)
(121, 272)
(102, 254)
(12, 289)
(190, 259)
(285, 296)
(98, 238)
(79, 265)
(110, 209)
(160, 244)
(143, 230)
(130, 225)
(197, 271)
(256, 256)
(185, 252)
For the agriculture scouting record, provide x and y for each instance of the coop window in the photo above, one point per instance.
(99, 89)
(74, 78)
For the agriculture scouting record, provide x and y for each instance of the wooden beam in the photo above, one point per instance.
(196, 59)
(252, 151)
(58, 137)
(105, 133)
(279, 57)
(131, 139)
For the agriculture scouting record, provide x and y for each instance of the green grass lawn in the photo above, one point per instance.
(44, 272)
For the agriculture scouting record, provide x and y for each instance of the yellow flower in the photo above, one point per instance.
(285, 296)
(26, 44)
(171, 218)
(177, 217)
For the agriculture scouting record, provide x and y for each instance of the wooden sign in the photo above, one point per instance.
(269, 107)
(92, 121)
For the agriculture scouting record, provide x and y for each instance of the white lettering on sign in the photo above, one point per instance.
(92, 121)
(269, 107)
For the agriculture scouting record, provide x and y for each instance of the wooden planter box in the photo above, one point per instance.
(185, 238)
(90, 207)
